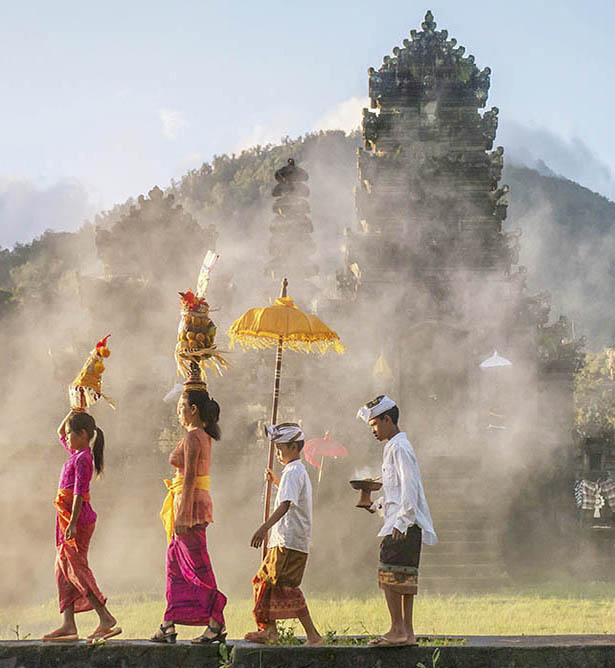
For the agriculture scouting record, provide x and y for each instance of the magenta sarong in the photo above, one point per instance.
(193, 597)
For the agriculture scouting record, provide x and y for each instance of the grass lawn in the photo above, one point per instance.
(540, 610)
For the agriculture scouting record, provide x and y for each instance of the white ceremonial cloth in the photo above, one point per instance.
(375, 408)
(287, 432)
(294, 530)
(403, 494)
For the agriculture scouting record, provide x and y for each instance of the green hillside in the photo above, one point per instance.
(567, 243)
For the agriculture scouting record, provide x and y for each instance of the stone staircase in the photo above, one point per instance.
(467, 557)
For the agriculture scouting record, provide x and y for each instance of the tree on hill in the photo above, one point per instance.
(154, 240)
(595, 397)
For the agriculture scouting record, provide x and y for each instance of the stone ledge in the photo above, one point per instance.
(112, 654)
(478, 652)
(409, 657)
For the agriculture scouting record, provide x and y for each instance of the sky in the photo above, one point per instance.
(104, 100)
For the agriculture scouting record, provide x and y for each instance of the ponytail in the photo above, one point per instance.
(79, 421)
(98, 451)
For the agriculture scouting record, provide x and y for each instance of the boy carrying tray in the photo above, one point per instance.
(407, 520)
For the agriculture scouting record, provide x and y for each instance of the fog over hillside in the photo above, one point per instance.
(559, 218)
(121, 273)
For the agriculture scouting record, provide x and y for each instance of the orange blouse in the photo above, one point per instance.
(191, 458)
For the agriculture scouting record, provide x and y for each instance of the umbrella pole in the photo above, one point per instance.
(274, 418)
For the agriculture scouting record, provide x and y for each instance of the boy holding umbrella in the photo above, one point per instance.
(276, 584)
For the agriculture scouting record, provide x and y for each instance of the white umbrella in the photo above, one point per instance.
(173, 394)
(494, 361)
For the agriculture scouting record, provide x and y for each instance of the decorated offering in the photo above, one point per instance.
(366, 487)
(196, 350)
(196, 330)
(86, 390)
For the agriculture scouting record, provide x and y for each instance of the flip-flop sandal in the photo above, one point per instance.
(69, 637)
(381, 641)
(105, 634)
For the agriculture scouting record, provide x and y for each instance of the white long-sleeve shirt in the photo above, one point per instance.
(403, 497)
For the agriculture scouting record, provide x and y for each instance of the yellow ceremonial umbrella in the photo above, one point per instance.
(286, 327)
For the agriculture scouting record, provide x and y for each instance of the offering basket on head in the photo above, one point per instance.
(86, 390)
(366, 487)
(196, 350)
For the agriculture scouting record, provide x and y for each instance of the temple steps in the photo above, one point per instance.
(463, 534)
(446, 584)
(432, 558)
(460, 514)
(443, 522)
(431, 555)
(462, 570)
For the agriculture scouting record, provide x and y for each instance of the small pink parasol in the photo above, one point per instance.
(316, 449)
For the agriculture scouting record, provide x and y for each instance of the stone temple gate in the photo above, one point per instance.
(431, 273)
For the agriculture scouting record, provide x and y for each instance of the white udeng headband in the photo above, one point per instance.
(375, 408)
(287, 432)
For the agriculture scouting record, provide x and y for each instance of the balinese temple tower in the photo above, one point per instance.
(428, 178)
(430, 277)
(291, 244)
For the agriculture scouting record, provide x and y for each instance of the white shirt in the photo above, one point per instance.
(294, 530)
(403, 494)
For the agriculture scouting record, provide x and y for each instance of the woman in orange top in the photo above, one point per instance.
(193, 597)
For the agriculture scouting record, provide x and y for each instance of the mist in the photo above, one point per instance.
(122, 275)
(27, 208)
(540, 148)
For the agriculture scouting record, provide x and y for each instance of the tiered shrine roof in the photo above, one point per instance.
(428, 61)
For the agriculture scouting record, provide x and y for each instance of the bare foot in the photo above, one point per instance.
(316, 641)
(263, 637)
(105, 625)
(62, 631)
(107, 620)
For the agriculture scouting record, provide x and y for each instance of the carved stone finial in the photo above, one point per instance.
(155, 193)
(429, 25)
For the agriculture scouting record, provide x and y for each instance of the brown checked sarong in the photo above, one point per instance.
(276, 586)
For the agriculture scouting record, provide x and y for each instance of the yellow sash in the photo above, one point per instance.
(175, 487)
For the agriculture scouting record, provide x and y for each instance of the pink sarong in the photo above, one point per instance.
(193, 597)
(74, 577)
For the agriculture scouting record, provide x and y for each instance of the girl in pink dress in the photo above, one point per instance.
(75, 522)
